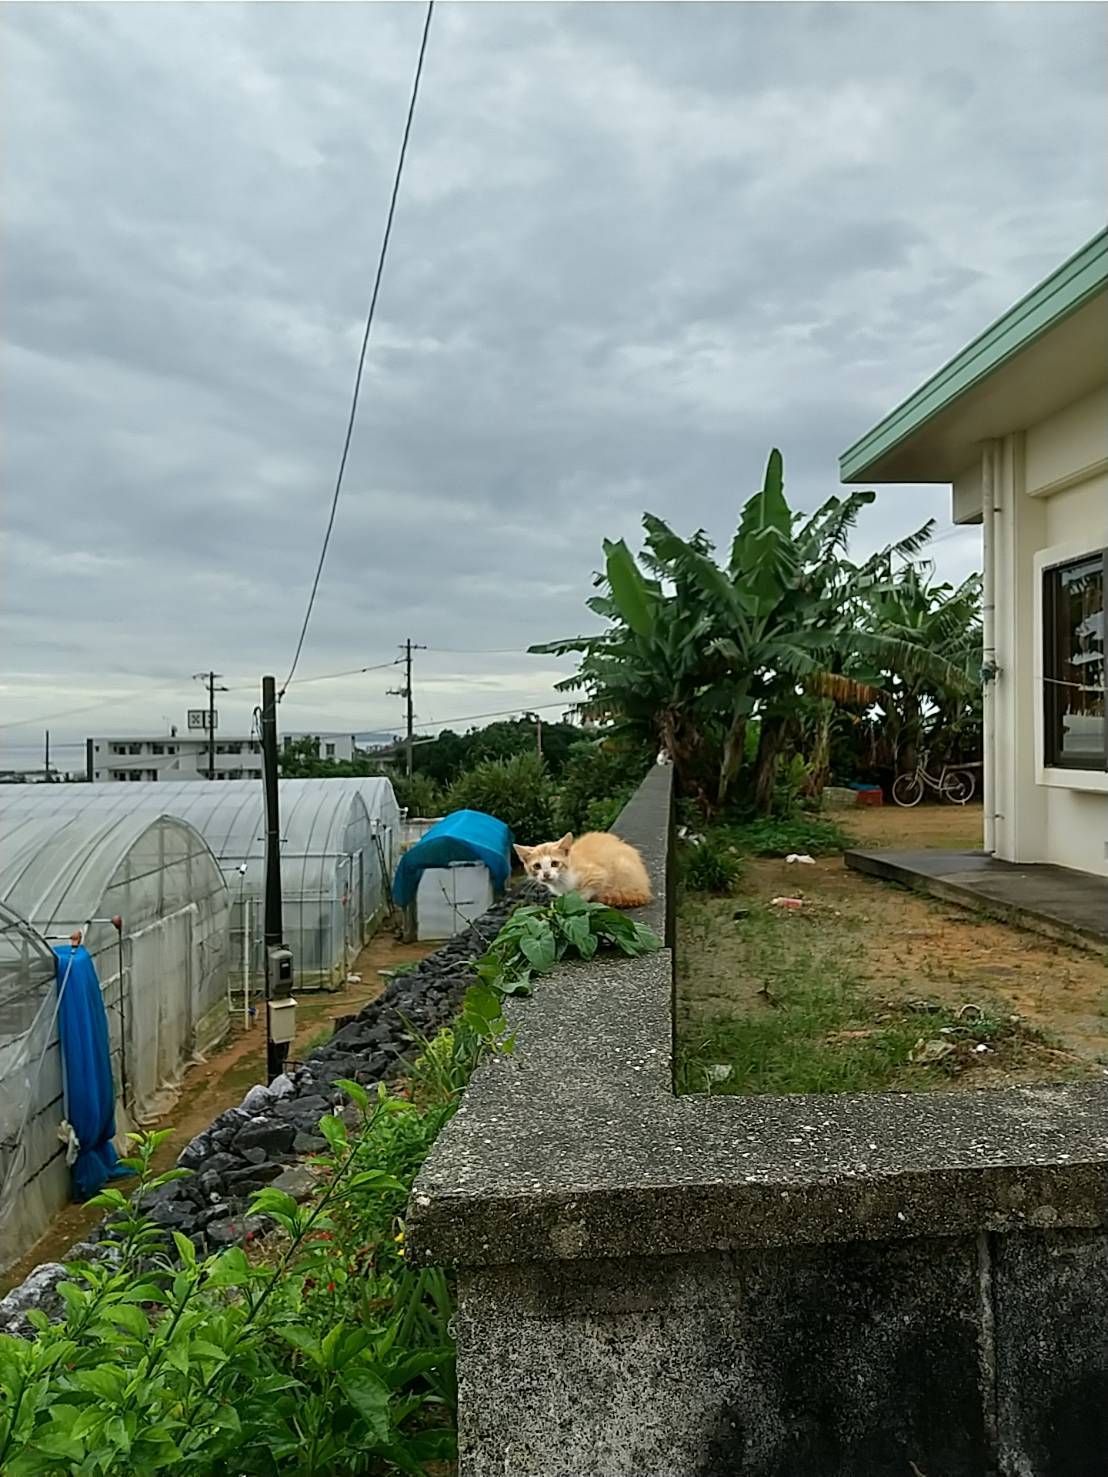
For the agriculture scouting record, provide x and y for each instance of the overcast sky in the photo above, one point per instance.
(636, 246)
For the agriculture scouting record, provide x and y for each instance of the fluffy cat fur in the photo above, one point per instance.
(599, 866)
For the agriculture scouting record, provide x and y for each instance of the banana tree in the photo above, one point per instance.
(695, 650)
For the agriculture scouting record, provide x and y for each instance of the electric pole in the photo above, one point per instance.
(47, 768)
(538, 734)
(278, 962)
(211, 678)
(406, 692)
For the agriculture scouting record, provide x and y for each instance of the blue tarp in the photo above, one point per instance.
(87, 1065)
(465, 836)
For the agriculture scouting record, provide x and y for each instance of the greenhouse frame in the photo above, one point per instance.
(162, 972)
(340, 839)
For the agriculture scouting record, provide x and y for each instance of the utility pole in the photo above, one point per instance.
(538, 734)
(211, 678)
(406, 692)
(278, 961)
(46, 770)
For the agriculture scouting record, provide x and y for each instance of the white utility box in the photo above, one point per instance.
(282, 1020)
(449, 899)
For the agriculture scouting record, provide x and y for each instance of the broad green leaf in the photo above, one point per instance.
(130, 1318)
(541, 952)
(629, 590)
(370, 1398)
(355, 1092)
(334, 1131)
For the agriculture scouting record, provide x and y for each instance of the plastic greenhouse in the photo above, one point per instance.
(163, 973)
(339, 841)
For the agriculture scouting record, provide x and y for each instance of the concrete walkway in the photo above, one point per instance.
(1063, 904)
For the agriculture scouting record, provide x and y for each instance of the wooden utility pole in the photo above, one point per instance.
(211, 678)
(46, 770)
(406, 692)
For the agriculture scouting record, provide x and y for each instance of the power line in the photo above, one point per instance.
(353, 672)
(503, 713)
(365, 346)
(481, 650)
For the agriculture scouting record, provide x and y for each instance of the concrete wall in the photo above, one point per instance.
(655, 1286)
(1051, 497)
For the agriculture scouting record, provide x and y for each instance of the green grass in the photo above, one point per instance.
(811, 1025)
(779, 837)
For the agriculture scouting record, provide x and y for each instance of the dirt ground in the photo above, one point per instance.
(902, 950)
(221, 1081)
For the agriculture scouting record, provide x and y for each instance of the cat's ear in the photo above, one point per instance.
(566, 842)
(524, 853)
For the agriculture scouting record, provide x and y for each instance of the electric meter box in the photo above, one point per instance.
(282, 1020)
(280, 969)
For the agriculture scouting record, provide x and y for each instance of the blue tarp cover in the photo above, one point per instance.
(87, 1063)
(465, 836)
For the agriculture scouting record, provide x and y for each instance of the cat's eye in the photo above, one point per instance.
(555, 865)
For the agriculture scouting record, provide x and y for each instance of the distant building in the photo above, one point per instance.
(177, 756)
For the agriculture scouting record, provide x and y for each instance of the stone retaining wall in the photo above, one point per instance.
(852, 1286)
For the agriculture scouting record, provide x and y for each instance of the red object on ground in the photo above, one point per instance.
(871, 797)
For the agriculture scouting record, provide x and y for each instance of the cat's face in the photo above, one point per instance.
(548, 863)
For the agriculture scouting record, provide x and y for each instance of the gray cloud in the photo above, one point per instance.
(637, 245)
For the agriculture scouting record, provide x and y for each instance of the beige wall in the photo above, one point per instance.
(1051, 495)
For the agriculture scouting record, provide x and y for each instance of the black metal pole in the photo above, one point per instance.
(276, 1052)
(211, 725)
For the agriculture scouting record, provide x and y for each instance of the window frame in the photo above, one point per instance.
(1053, 660)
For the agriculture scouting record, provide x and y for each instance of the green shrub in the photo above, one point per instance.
(602, 814)
(712, 865)
(806, 834)
(331, 1354)
(418, 794)
(517, 791)
(598, 772)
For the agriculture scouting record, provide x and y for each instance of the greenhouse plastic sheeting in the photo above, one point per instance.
(34, 1181)
(340, 838)
(464, 836)
(86, 1058)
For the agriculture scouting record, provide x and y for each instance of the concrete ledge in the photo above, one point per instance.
(662, 1286)
(575, 1145)
(1061, 904)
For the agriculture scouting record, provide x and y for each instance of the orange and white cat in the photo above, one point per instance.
(599, 866)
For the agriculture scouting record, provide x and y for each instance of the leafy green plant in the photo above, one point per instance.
(806, 834)
(517, 791)
(334, 1355)
(536, 938)
(418, 794)
(597, 781)
(696, 648)
(602, 815)
(711, 866)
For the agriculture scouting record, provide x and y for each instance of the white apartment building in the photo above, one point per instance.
(185, 756)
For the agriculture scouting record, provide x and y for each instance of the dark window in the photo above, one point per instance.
(134, 748)
(1073, 663)
(330, 751)
(157, 748)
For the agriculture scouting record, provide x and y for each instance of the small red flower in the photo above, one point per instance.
(330, 1287)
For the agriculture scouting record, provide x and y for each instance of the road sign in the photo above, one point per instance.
(198, 718)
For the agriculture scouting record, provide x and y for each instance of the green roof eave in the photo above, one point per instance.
(1074, 283)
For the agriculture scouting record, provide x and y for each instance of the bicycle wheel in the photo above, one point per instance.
(958, 786)
(908, 789)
